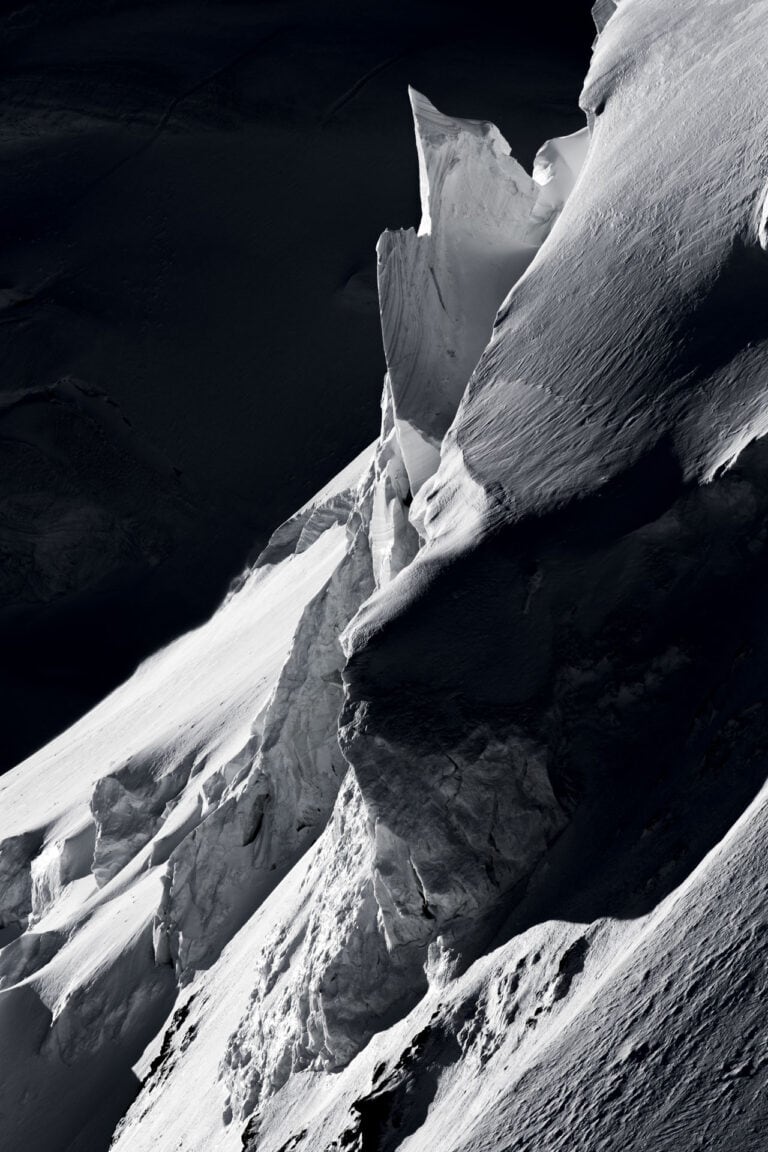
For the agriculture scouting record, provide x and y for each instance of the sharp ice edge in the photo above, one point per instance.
(196, 852)
(483, 220)
(602, 10)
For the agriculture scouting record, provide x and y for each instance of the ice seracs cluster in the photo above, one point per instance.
(446, 831)
(483, 219)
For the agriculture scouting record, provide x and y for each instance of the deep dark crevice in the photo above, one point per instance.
(162, 1063)
(398, 1104)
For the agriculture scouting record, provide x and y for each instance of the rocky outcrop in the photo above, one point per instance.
(16, 855)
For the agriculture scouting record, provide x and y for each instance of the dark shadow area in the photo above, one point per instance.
(400, 1098)
(190, 199)
(629, 647)
(731, 315)
(109, 1109)
(53, 1095)
(630, 651)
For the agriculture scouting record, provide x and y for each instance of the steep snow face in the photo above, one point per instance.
(584, 402)
(595, 989)
(634, 1033)
(600, 492)
(573, 547)
(626, 367)
(137, 844)
(483, 218)
(173, 811)
(439, 288)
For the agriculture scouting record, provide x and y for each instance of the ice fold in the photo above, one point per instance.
(483, 220)
(439, 288)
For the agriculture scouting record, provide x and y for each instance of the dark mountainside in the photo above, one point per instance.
(190, 200)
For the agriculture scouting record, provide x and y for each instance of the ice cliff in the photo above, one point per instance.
(446, 831)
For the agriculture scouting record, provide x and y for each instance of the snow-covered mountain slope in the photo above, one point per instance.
(144, 836)
(624, 1034)
(447, 831)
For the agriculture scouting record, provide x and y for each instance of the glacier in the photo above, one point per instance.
(447, 830)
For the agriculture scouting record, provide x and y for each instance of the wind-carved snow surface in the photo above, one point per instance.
(483, 218)
(447, 830)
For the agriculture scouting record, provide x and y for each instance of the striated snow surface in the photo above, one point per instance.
(448, 830)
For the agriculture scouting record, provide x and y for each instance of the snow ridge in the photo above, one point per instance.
(483, 219)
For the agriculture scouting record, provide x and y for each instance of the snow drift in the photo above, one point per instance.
(447, 830)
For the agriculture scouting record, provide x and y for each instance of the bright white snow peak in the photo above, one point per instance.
(492, 876)
(483, 220)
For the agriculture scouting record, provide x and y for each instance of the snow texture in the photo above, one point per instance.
(482, 220)
(448, 829)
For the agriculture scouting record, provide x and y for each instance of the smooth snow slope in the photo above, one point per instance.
(526, 910)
